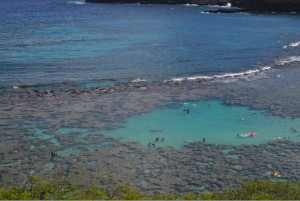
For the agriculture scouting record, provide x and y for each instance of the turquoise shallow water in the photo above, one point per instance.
(211, 120)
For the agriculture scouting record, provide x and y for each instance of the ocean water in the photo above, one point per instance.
(96, 83)
(72, 44)
(217, 123)
(55, 43)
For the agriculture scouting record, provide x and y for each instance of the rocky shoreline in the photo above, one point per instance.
(237, 5)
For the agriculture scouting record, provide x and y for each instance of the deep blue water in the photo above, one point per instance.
(50, 42)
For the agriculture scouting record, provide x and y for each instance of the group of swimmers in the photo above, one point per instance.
(53, 154)
(293, 129)
(156, 140)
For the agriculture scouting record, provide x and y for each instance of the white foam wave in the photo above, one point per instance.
(293, 44)
(188, 4)
(139, 80)
(243, 74)
(228, 5)
(76, 2)
(288, 60)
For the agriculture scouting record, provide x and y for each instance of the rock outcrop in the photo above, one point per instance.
(268, 5)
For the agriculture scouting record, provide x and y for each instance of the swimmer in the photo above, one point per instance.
(149, 144)
(251, 134)
(53, 154)
(293, 129)
(157, 139)
(162, 139)
(203, 139)
(275, 174)
(186, 110)
(153, 145)
(242, 135)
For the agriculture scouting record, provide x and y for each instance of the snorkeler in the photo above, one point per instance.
(187, 111)
(249, 134)
(53, 154)
(293, 129)
(275, 174)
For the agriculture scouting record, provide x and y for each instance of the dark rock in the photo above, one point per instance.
(228, 10)
(198, 2)
(242, 5)
(254, 6)
(269, 5)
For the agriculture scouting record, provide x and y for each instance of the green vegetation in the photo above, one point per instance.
(37, 189)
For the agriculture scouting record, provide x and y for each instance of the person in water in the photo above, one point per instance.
(294, 129)
(250, 134)
(275, 174)
(187, 111)
(203, 139)
(53, 154)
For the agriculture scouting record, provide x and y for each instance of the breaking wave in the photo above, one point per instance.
(293, 44)
(242, 74)
(139, 80)
(228, 5)
(188, 4)
(248, 74)
(76, 2)
(288, 60)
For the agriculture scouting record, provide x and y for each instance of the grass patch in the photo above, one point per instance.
(35, 188)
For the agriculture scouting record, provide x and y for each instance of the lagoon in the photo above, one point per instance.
(217, 123)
